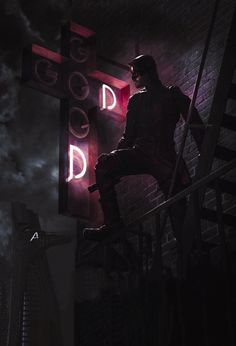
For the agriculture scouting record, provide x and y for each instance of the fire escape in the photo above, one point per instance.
(194, 305)
(33, 311)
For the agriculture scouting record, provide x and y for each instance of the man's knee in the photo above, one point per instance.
(100, 164)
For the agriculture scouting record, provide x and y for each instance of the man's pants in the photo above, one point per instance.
(133, 161)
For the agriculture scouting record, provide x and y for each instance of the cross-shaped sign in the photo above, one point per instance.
(86, 95)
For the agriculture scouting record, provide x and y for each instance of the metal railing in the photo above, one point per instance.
(197, 185)
(184, 193)
(153, 273)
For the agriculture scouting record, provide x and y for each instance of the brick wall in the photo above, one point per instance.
(174, 33)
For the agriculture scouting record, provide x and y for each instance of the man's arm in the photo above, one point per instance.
(197, 126)
(128, 136)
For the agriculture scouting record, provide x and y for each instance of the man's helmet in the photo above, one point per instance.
(143, 64)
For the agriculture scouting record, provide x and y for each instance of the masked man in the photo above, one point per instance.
(147, 146)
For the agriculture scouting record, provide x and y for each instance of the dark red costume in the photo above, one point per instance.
(146, 147)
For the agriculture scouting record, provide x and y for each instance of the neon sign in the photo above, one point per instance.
(90, 101)
(81, 130)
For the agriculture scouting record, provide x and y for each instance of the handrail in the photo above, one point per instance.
(190, 189)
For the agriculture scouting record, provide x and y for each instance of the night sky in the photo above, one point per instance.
(29, 121)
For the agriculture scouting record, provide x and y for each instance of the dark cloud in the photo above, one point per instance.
(15, 32)
(28, 120)
(28, 128)
(5, 228)
(46, 16)
(30, 153)
(8, 95)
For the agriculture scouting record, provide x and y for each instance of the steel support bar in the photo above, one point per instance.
(225, 264)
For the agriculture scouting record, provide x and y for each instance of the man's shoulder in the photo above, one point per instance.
(174, 89)
(137, 95)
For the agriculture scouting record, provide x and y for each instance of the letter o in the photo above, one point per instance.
(78, 123)
(78, 86)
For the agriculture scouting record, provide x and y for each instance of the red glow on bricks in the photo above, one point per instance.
(107, 79)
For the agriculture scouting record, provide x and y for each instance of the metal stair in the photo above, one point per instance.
(212, 149)
(211, 215)
(229, 122)
(226, 186)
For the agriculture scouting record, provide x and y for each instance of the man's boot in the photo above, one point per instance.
(112, 220)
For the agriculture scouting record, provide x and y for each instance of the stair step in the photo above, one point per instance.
(225, 186)
(229, 122)
(232, 91)
(211, 215)
(224, 153)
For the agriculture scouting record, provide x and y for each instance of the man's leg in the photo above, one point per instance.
(110, 166)
(107, 169)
